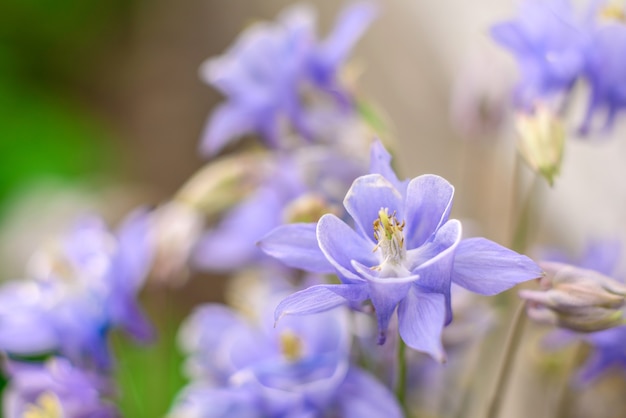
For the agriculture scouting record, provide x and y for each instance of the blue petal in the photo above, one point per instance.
(228, 122)
(487, 268)
(434, 261)
(428, 203)
(341, 244)
(367, 196)
(421, 318)
(508, 34)
(380, 163)
(134, 253)
(296, 246)
(320, 298)
(362, 396)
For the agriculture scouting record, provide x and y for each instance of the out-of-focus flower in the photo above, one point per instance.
(577, 299)
(302, 185)
(541, 139)
(280, 72)
(246, 367)
(548, 43)
(404, 254)
(80, 289)
(55, 389)
(605, 71)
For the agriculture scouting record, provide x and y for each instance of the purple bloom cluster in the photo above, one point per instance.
(556, 45)
(245, 367)
(270, 70)
(80, 290)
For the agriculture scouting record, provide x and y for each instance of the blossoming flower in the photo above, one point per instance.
(549, 44)
(244, 367)
(403, 254)
(271, 66)
(55, 389)
(301, 186)
(79, 291)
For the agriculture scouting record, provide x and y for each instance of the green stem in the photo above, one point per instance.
(510, 350)
(401, 374)
(567, 398)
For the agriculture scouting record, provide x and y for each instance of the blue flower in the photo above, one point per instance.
(80, 290)
(605, 71)
(403, 254)
(300, 186)
(549, 44)
(269, 69)
(55, 389)
(247, 368)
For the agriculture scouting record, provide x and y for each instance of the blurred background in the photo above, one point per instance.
(101, 109)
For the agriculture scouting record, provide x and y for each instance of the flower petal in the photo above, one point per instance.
(341, 244)
(428, 203)
(296, 246)
(367, 196)
(380, 163)
(320, 298)
(421, 318)
(362, 396)
(228, 122)
(487, 268)
(434, 261)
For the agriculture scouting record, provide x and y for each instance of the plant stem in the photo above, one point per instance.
(510, 350)
(566, 397)
(401, 374)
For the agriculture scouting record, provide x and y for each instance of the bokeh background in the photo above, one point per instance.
(101, 109)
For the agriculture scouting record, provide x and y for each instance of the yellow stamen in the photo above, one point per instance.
(47, 405)
(290, 346)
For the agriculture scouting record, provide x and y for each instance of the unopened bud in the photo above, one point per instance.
(307, 208)
(176, 229)
(577, 299)
(224, 182)
(541, 141)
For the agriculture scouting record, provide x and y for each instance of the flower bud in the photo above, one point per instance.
(575, 298)
(541, 141)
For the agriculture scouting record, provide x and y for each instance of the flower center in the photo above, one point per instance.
(390, 240)
(290, 346)
(613, 12)
(46, 406)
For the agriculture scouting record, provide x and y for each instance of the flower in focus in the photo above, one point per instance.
(577, 299)
(403, 254)
(55, 389)
(80, 289)
(280, 72)
(243, 366)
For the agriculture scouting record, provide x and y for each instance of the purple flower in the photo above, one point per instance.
(55, 389)
(271, 66)
(248, 368)
(301, 186)
(80, 289)
(403, 254)
(548, 42)
(606, 73)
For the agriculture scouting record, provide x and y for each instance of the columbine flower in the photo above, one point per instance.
(245, 367)
(606, 71)
(55, 389)
(403, 254)
(302, 185)
(271, 66)
(549, 44)
(79, 291)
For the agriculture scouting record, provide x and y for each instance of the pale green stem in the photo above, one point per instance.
(510, 350)
(401, 374)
